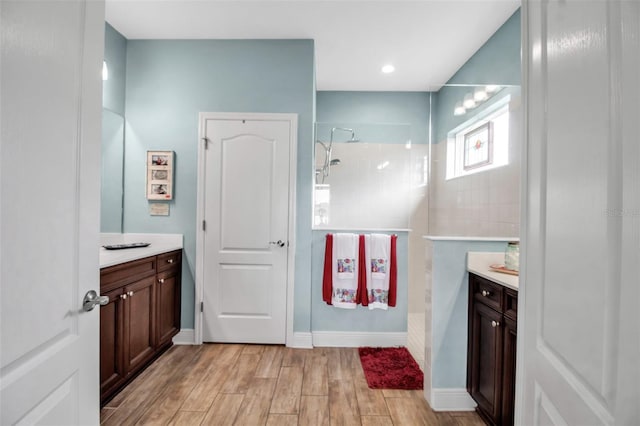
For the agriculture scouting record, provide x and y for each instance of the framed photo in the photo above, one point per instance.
(478, 146)
(160, 175)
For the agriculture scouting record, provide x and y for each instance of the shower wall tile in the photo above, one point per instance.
(371, 187)
(485, 204)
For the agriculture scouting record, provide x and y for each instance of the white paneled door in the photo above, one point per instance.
(579, 338)
(245, 236)
(50, 196)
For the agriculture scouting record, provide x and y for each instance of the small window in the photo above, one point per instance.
(478, 147)
(479, 144)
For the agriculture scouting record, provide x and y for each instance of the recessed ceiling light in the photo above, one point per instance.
(388, 69)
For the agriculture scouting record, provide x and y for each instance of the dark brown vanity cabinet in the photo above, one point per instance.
(492, 349)
(141, 318)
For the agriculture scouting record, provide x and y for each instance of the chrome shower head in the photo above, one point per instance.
(345, 129)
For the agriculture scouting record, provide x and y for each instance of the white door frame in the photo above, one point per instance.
(291, 251)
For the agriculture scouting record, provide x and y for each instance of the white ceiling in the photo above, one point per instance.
(427, 41)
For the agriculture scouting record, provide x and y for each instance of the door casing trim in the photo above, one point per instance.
(292, 118)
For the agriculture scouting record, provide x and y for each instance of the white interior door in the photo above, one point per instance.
(50, 191)
(579, 347)
(245, 240)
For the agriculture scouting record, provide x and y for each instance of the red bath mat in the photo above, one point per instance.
(390, 368)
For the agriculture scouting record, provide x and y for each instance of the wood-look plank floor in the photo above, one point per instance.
(221, 384)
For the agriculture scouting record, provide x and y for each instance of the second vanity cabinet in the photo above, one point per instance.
(168, 297)
(492, 349)
(141, 318)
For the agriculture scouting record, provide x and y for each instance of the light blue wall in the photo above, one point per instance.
(449, 294)
(328, 318)
(496, 62)
(168, 84)
(390, 117)
(115, 55)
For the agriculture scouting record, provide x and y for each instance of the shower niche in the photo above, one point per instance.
(367, 175)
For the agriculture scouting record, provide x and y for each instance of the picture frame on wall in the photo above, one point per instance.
(160, 175)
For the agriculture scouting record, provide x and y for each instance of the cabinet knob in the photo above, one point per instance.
(495, 324)
(123, 296)
(130, 293)
(485, 293)
(169, 260)
(161, 280)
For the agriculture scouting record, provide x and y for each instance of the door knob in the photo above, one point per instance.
(495, 324)
(279, 243)
(91, 299)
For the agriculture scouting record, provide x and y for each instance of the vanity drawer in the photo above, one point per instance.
(486, 292)
(126, 273)
(511, 304)
(169, 260)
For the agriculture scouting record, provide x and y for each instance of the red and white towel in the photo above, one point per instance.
(377, 249)
(352, 275)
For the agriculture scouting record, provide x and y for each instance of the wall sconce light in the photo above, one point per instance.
(472, 100)
(480, 94)
(105, 71)
(468, 101)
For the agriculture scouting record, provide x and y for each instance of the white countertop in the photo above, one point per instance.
(160, 243)
(454, 238)
(478, 263)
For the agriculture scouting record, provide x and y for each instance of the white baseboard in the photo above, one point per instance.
(451, 400)
(352, 339)
(343, 339)
(186, 336)
(301, 340)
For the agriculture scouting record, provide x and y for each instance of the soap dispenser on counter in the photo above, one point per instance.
(512, 256)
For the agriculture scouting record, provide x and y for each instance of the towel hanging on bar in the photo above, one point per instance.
(336, 293)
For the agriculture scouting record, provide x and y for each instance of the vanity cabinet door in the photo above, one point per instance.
(168, 296)
(509, 372)
(139, 323)
(112, 371)
(485, 369)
